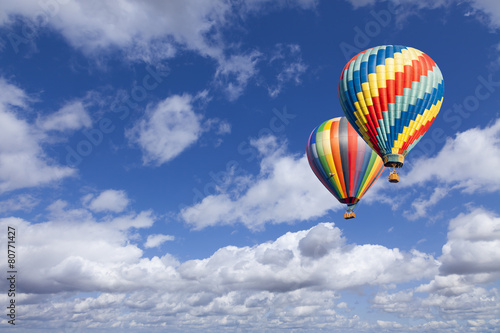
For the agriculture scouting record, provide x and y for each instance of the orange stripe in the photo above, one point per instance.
(334, 138)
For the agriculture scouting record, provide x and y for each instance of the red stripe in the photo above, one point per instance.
(391, 96)
(383, 99)
(377, 107)
(399, 83)
(423, 129)
(373, 115)
(408, 76)
(417, 70)
(353, 147)
(429, 61)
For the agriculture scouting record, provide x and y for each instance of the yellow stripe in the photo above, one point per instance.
(359, 113)
(327, 127)
(389, 69)
(414, 53)
(407, 57)
(381, 76)
(398, 62)
(365, 87)
(375, 169)
(362, 103)
(418, 120)
(373, 85)
(327, 147)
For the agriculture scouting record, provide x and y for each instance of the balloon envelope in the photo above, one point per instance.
(342, 161)
(391, 94)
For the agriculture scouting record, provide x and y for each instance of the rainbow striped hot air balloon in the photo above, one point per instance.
(391, 94)
(343, 162)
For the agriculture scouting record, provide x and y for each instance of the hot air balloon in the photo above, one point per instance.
(391, 94)
(343, 162)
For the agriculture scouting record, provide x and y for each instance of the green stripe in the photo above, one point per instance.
(369, 168)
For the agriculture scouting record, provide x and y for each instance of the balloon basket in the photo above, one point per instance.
(393, 177)
(349, 215)
(393, 160)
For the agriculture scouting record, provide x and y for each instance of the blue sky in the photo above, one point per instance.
(152, 161)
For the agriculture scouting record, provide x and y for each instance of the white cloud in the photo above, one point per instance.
(297, 279)
(289, 59)
(73, 251)
(197, 25)
(109, 200)
(71, 116)
(469, 262)
(420, 206)
(285, 190)
(295, 276)
(12, 96)
(454, 167)
(473, 245)
(23, 202)
(234, 73)
(166, 130)
(490, 8)
(465, 162)
(97, 26)
(486, 11)
(157, 240)
(22, 160)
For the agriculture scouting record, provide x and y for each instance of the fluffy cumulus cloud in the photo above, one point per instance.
(109, 200)
(71, 116)
(446, 172)
(471, 174)
(74, 251)
(469, 263)
(285, 190)
(23, 162)
(302, 280)
(473, 245)
(298, 276)
(167, 129)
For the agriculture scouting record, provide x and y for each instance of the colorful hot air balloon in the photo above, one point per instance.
(343, 162)
(391, 94)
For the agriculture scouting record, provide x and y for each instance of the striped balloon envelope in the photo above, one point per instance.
(343, 162)
(391, 94)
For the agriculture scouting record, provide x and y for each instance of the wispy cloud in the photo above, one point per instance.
(23, 162)
(285, 190)
(71, 116)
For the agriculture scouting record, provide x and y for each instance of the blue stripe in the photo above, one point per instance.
(362, 73)
(372, 64)
(389, 52)
(381, 55)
